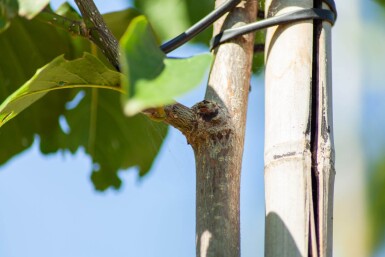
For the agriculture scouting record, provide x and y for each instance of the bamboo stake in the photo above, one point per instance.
(325, 154)
(299, 160)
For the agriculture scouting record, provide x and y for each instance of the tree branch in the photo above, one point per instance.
(177, 115)
(98, 32)
(91, 27)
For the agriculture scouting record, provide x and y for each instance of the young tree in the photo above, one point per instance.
(149, 81)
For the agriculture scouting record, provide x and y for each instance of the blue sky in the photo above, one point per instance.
(50, 209)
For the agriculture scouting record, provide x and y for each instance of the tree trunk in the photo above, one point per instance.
(215, 129)
(299, 152)
(219, 152)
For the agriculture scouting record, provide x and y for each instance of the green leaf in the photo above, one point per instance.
(376, 204)
(25, 47)
(169, 17)
(25, 8)
(118, 22)
(29, 45)
(66, 10)
(152, 80)
(260, 35)
(29, 8)
(172, 17)
(8, 9)
(381, 2)
(259, 58)
(196, 11)
(59, 74)
(114, 141)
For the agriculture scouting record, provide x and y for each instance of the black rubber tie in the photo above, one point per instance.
(300, 15)
(199, 26)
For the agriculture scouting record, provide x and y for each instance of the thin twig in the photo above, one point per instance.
(177, 115)
(92, 27)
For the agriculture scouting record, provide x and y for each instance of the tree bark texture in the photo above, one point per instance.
(215, 128)
(299, 151)
(97, 31)
(218, 147)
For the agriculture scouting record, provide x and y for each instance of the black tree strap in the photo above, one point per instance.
(332, 6)
(199, 26)
(305, 14)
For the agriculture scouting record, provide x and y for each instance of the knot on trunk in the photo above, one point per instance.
(207, 111)
(210, 124)
(205, 121)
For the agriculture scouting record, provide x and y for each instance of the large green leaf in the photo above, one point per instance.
(152, 80)
(25, 47)
(87, 71)
(172, 17)
(118, 21)
(29, 45)
(114, 141)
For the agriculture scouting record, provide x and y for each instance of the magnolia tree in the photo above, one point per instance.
(117, 68)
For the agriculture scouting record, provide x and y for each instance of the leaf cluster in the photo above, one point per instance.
(96, 123)
(47, 53)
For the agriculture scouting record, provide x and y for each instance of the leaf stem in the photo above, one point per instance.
(177, 115)
(91, 27)
(75, 27)
(93, 120)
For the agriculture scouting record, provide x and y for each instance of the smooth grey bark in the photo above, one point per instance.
(215, 128)
(219, 153)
